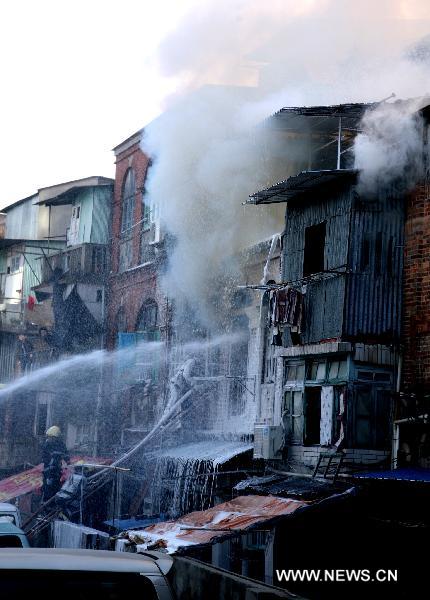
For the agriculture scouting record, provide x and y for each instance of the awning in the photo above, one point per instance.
(221, 521)
(31, 480)
(216, 451)
(298, 184)
(320, 119)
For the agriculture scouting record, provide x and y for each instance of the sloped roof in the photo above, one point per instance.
(205, 527)
(31, 480)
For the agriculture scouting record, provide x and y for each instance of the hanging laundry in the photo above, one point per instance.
(286, 308)
(31, 301)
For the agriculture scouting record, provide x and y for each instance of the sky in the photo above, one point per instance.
(77, 78)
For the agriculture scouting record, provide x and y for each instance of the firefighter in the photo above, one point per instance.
(54, 452)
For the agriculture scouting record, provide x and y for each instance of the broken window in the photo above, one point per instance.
(292, 416)
(15, 263)
(317, 370)
(312, 415)
(294, 372)
(313, 257)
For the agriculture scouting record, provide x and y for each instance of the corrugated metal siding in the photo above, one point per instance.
(21, 220)
(373, 300)
(84, 199)
(101, 214)
(323, 299)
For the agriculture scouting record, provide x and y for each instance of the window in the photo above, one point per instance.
(372, 410)
(312, 415)
(292, 416)
(147, 211)
(313, 257)
(317, 370)
(374, 376)
(15, 263)
(127, 218)
(323, 370)
(128, 194)
(148, 235)
(294, 372)
(98, 260)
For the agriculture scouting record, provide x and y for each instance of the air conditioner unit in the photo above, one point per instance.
(268, 441)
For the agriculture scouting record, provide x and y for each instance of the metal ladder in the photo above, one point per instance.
(328, 465)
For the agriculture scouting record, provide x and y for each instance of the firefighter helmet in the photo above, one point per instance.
(53, 431)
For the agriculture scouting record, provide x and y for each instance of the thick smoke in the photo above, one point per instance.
(389, 148)
(257, 57)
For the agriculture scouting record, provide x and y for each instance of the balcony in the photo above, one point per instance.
(87, 261)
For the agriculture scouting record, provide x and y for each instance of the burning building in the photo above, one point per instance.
(334, 320)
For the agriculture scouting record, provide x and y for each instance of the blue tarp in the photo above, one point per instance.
(411, 474)
(122, 524)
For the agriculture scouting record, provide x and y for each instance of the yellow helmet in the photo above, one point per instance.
(53, 431)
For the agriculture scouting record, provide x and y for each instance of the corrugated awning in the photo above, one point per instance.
(31, 480)
(299, 184)
(216, 451)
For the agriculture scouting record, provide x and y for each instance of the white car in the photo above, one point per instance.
(10, 513)
(83, 574)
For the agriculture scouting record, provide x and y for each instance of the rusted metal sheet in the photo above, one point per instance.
(31, 480)
(205, 527)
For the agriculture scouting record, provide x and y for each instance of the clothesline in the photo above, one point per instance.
(296, 282)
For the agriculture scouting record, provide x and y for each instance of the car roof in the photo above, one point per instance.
(10, 529)
(65, 559)
(6, 506)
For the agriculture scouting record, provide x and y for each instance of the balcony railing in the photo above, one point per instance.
(86, 259)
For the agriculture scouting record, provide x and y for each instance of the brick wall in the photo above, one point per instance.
(416, 295)
(131, 289)
(134, 158)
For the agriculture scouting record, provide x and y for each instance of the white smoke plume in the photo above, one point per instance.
(258, 57)
(389, 148)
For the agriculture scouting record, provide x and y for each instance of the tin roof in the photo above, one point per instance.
(31, 480)
(299, 184)
(207, 526)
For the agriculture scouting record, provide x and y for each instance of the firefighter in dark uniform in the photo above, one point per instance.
(54, 452)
